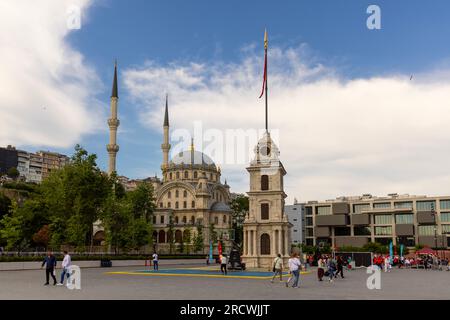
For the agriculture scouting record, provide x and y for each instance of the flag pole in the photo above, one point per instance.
(267, 76)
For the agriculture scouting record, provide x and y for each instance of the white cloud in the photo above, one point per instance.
(337, 136)
(46, 88)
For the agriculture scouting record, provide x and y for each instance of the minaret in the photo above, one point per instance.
(165, 146)
(113, 124)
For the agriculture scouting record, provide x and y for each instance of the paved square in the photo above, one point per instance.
(132, 283)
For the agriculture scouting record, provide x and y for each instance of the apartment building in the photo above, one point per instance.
(296, 216)
(355, 221)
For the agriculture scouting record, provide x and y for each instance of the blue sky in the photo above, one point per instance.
(413, 40)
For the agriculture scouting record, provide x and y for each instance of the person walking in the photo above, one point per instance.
(50, 265)
(331, 269)
(277, 268)
(320, 268)
(155, 261)
(294, 269)
(223, 264)
(67, 261)
(340, 267)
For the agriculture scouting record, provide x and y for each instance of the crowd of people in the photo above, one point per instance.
(426, 262)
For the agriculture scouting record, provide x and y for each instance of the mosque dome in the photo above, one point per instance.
(192, 158)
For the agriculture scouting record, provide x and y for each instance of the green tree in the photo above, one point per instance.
(42, 237)
(187, 238)
(198, 239)
(5, 204)
(11, 230)
(171, 236)
(240, 206)
(13, 173)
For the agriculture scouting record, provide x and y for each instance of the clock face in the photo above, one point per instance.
(265, 151)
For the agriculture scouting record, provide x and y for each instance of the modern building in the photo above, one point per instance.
(8, 159)
(35, 167)
(296, 216)
(402, 219)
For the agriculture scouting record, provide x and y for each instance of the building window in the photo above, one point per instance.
(342, 231)
(357, 208)
(361, 231)
(192, 220)
(176, 205)
(309, 232)
(323, 211)
(309, 221)
(216, 220)
(264, 211)
(384, 205)
(224, 219)
(178, 236)
(184, 219)
(383, 219)
(162, 219)
(176, 220)
(445, 204)
(195, 174)
(178, 175)
(160, 204)
(265, 243)
(426, 230)
(295, 219)
(425, 205)
(186, 174)
(170, 175)
(185, 193)
(404, 219)
(176, 193)
(162, 236)
(445, 217)
(193, 204)
(154, 219)
(295, 230)
(265, 182)
(184, 204)
(383, 231)
(169, 205)
(308, 211)
(446, 229)
(403, 205)
(383, 241)
(309, 242)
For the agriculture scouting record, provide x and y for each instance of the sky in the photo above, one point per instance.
(353, 110)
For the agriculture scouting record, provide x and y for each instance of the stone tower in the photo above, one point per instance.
(266, 228)
(165, 146)
(113, 124)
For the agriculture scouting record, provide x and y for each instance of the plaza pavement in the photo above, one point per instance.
(100, 283)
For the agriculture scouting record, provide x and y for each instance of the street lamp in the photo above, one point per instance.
(434, 213)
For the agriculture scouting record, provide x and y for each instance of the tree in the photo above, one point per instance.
(198, 239)
(11, 230)
(171, 236)
(187, 238)
(13, 173)
(5, 204)
(240, 207)
(42, 237)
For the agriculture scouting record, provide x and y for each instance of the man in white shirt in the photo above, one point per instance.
(155, 261)
(67, 261)
(223, 264)
(294, 269)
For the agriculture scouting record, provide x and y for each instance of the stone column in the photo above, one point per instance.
(273, 243)
(255, 244)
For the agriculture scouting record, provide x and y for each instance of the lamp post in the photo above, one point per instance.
(433, 212)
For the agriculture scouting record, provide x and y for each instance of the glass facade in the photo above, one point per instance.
(308, 211)
(426, 230)
(403, 205)
(383, 231)
(384, 205)
(383, 219)
(445, 204)
(357, 208)
(445, 217)
(309, 221)
(425, 205)
(342, 231)
(446, 228)
(323, 211)
(404, 219)
(309, 232)
(361, 231)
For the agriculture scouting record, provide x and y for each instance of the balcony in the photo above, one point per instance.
(429, 241)
(340, 208)
(322, 232)
(332, 220)
(351, 241)
(360, 219)
(425, 217)
(404, 230)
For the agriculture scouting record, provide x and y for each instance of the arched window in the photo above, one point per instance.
(184, 204)
(184, 219)
(155, 236)
(169, 236)
(162, 236)
(193, 204)
(224, 219)
(185, 193)
(170, 176)
(160, 204)
(162, 219)
(169, 194)
(178, 175)
(195, 175)
(176, 205)
(264, 211)
(265, 182)
(176, 220)
(186, 174)
(192, 220)
(176, 193)
(169, 205)
(178, 236)
(265, 243)
(216, 220)
(154, 219)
